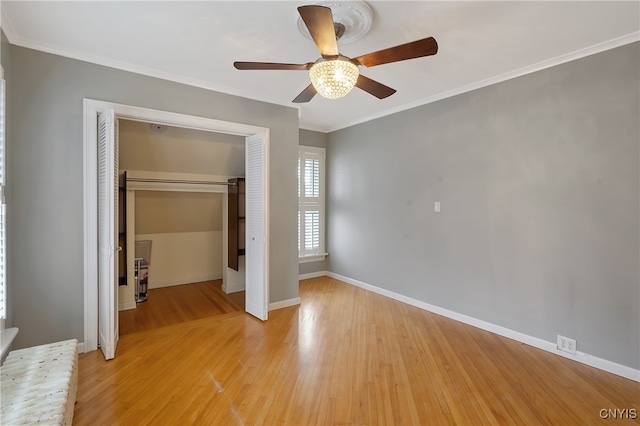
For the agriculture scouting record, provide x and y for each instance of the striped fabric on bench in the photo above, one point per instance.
(38, 384)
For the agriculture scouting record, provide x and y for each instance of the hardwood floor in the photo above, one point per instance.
(344, 356)
(173, 305)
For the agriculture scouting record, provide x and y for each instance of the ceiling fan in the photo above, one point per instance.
(334, 75)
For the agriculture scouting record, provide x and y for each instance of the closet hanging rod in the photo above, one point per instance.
(198, 182)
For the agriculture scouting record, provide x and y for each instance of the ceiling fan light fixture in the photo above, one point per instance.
(333, 78)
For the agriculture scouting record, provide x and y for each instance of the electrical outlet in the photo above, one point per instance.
(566, 344)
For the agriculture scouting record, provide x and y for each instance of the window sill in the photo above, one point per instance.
(312, 258)
(6, 339)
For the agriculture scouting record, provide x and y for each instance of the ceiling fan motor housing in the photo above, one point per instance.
(354, 18)
(339, 29)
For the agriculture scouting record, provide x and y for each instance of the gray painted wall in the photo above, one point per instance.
(46, 180)
(312, 138)
(318, 140)
(5, 60)
(539, 183)
(308, 268)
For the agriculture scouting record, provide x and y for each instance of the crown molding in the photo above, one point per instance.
(9, 31)
(558, 60)
(136, 69)
(6, 25)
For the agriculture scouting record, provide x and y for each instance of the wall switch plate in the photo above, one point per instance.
(436, 207)
(566, 344)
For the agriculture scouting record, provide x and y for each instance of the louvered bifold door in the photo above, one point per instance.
(107, 233)
(256, 296)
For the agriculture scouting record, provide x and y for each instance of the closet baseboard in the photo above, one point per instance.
(126, 306)
(187, 281)
(233, 289)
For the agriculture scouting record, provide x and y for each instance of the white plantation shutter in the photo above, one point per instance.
(3, 275)
(311, 201)
(312, 231)
(299, 233)
(312, 177)
(299, 189)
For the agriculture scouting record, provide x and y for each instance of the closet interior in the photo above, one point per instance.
(181, 219)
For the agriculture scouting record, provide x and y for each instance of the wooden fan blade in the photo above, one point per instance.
(415, 49)
(319, 22)
(306, 95)
(378, 90)
(271, 66)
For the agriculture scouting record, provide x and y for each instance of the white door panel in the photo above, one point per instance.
(107, 233)
(256, 296)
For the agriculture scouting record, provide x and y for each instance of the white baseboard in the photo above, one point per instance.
(284, 304)
(581, 357)
(190, 280)
(233, 289)
(313, 275)
(81, 347)
(126, 306)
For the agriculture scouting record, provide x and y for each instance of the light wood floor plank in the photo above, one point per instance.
(180, 303)
(344, 356)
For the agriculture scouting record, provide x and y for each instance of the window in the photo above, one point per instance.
(3, 281)
(311, 204)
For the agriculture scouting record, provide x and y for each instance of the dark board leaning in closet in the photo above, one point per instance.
(236, 221)
(122, 229)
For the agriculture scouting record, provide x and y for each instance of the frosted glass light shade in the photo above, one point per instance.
(333, 78)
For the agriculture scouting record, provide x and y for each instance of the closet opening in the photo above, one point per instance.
(181, 211)
(101, 245)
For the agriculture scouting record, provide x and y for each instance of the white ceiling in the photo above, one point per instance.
(480, 43)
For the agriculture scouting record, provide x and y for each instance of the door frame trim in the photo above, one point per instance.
(91, 108)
